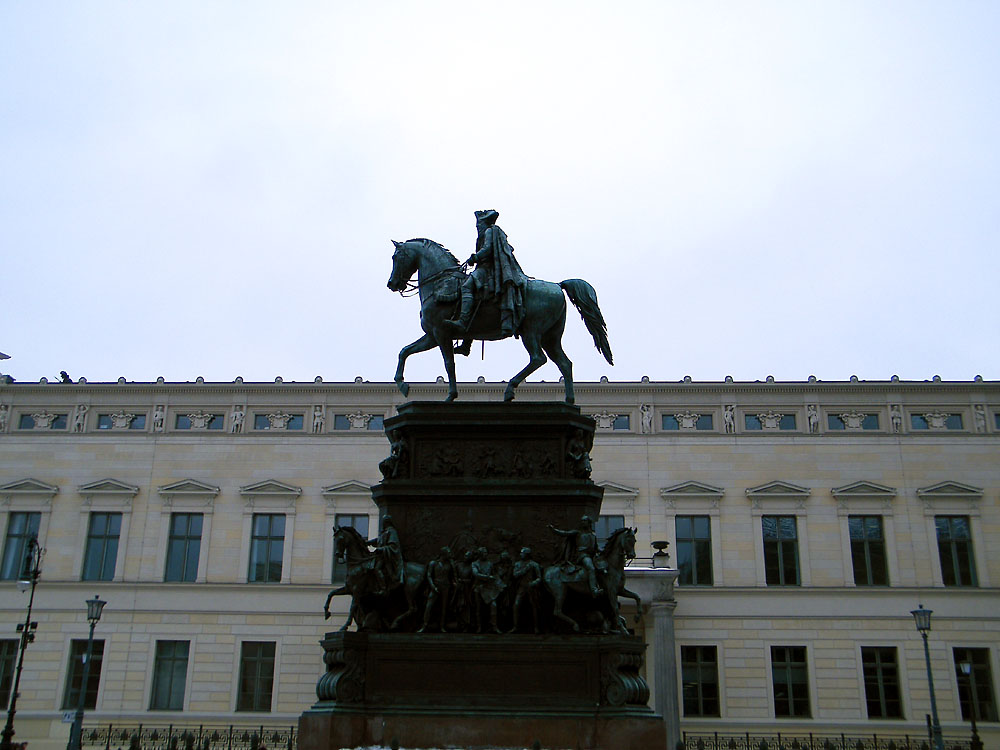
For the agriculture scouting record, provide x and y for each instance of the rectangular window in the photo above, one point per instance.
(104, 421)
(769, 421)
(169, 675)
(256, 676)
(341, 422)
(55, 422)
(291, 422)
(358, 522)
(8, 662)
(102, 546)
(694, 550)
(20, 528)
(621, 422)
(996, 420)
(699, 422)
(955, 550)
(700, 677)
(856, 421)
(377, 422)
(606, 526)
(74, 680)
(882, 694)
(267, 545)
(781, 550)
(868, 550)
(183, 547)
(207, 422)
(790, 678)
(752, 422)
(975, 690)
(936, 421)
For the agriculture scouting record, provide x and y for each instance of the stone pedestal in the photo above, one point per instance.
(502, 471)
(494, 476)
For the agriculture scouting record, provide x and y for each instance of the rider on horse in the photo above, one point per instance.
(581, 549)
(497, 274)
(388, 561)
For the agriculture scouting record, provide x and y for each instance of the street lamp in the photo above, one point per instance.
(94, 607)
(922, 618)
(966, 667)
(30, 572)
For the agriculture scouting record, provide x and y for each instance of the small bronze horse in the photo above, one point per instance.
(541, 330)
(360, 582)
(617, 551)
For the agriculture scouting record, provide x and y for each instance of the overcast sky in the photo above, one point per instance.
(753, 188)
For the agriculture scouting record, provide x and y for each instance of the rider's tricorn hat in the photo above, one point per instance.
(487, 217)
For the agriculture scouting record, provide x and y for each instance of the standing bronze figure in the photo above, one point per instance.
(495, 302)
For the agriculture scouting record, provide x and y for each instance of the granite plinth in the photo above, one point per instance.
(465, 690)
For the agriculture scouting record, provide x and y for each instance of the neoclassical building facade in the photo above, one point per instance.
(804, 521)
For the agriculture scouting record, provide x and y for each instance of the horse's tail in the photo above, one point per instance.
(584, 298)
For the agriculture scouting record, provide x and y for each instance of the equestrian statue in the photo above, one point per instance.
(495, 301)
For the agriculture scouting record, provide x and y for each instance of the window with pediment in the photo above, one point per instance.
(188, 507)
(108, 507)
(696, 527)
(953, 516)
(268, 531)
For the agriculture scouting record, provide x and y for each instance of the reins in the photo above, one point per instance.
(413, 287)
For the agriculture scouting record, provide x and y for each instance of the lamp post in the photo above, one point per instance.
(29, 578)
(922, 618)
(94, 607)
(966, 667)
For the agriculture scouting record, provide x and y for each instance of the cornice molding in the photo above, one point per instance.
(641, 387)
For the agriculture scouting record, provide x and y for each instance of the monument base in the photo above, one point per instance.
(463, 690)
(337, 729)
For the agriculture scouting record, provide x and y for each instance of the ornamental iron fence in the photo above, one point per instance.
(779, 741)
(178, 737)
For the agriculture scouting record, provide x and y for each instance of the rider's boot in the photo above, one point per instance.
(465, 348)
(459, 325)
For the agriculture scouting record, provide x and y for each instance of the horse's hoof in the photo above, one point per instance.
(570, 400)
(326, 614)
(451, 397)
(404, 387)
(508, 395)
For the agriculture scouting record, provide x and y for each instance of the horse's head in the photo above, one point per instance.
(621, 541)
(404, 264)
(348, 544)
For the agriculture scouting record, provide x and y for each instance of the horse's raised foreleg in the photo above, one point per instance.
(329, 598)
(537, 359)
(422, 344)
(622, 591)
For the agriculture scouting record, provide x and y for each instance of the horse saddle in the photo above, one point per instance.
(448, 289)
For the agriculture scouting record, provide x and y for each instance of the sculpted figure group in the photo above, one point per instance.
(469, 587)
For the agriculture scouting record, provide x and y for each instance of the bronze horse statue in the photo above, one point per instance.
(439, 276)
(351, 548)
(610, 563)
